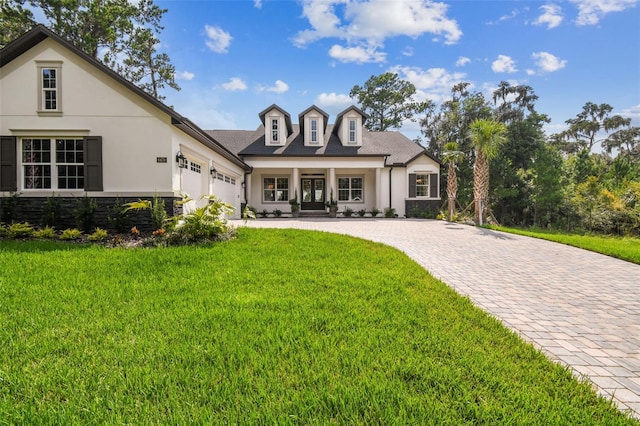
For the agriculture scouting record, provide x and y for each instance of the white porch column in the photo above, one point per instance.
(296, 182)
(247, 184)
(377, 202)
(332, 185)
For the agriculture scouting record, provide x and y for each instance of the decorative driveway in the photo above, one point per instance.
(580, 308)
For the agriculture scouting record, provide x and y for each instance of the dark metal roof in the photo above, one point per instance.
(40, 33)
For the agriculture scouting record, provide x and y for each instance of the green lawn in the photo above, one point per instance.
(277, 327)
(622, 248)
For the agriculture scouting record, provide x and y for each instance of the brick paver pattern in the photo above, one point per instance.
(581, 309)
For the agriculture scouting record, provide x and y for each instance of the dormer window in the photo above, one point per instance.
(274, 130)
(352, 131)
(314, 131)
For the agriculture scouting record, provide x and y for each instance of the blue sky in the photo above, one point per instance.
(235, 58)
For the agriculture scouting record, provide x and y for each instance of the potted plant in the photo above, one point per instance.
(332, 205)
(295, 206)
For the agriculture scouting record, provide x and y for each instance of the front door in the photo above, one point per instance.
(312, 194)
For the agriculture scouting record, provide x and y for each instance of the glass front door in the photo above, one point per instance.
(312, 194)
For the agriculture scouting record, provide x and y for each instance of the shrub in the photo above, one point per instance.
(85, 211)
(277, 212)
(70, 234)
(204, 224)
(374, 212)
(348, 212)
(389, 212)
(8, 207)
(20, 230)
(3, 231)
(118, 216)
(158, 212)
(51, 211)
(249, 213)
(98, 235)
(45, 233)
(264, 213)
(362, 212)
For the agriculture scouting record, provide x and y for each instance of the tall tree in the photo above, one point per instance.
(112, 31)
(512, 102)
(152, 71)
(451, 155)
(487, 137)
(388, 100)
(585, 128)
(15, 20)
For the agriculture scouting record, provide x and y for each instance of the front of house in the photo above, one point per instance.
(72, 128)
(316, 162)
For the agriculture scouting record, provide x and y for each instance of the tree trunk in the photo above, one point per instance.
(480, 186)
(452, 189)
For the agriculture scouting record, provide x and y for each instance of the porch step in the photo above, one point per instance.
(313, 214)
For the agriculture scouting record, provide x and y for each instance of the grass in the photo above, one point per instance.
(277, 327)
(625, 248)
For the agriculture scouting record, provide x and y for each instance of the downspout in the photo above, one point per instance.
(390, 186)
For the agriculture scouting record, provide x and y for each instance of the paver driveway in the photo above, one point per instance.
(580, 308)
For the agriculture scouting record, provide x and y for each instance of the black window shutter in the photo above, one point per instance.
(433, 185)
(412, 185)
(8, 164)
(93, 163)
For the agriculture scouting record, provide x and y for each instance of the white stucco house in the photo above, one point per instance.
(315, 161)
(70, 127)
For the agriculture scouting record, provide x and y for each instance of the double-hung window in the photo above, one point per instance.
(49, 163)
(352, 131)
(49, 97)
(351, 189)
(274, 130)
(314, 131)
(422, 185)
(275, 189)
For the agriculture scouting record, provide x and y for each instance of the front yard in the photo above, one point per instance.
(276, 327)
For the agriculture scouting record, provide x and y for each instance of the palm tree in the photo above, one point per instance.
(487, 137)
(452, 155)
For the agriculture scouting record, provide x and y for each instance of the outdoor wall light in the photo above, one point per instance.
(182, 161)
(213, 171)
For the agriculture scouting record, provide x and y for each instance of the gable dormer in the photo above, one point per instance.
(349, 125)
(313, 124)
(277, 125)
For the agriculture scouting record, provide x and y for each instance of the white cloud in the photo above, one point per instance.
(333, 102)
(235, 84)
(504, 64)
(407, 51)
(591, 11)
(257, 4)
(365, 24)
(359, 55)
(218, 40)
(278, 87)
(462, 61)
(184, 75)
(434, 83)
(551, 16)
(547, 62)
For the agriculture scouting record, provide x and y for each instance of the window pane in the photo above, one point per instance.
(343, 195)
(343, 183)
(356, 182)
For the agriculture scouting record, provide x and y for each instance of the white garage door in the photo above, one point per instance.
(194, 183)
(226, 188)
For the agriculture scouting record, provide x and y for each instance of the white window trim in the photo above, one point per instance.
(278, 133)
(53, 165)
(427, 186)
(276, 177)
(350, 200)
(41, 66)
